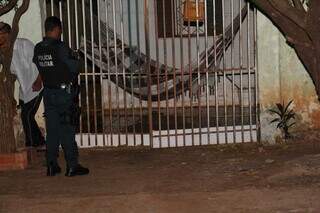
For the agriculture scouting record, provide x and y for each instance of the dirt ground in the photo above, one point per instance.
(234, 178)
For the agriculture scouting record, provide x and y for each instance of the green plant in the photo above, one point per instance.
(285, 118)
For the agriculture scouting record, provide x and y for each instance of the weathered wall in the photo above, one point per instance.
(269, 76)
(297, 85)
(283, 78)
(30, 28)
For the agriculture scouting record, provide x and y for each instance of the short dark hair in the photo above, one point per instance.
(51, 23)
(5, 28)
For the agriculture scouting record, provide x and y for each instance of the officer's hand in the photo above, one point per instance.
(75, 54)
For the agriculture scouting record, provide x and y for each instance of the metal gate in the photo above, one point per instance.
(164, 73)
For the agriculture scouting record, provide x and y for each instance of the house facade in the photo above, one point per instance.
(161, 74)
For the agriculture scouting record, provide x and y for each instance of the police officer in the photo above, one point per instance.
(58, 70)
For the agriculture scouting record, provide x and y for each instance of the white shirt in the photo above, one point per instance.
(23, 67)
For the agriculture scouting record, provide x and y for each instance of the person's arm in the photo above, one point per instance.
(14, 68)
(66, 56)
(37, 84)
(29, 53)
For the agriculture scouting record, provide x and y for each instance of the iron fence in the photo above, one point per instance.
(152, 76)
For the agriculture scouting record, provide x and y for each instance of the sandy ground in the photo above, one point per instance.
(240, 178)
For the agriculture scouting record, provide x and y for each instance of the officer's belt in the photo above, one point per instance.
(61, 86)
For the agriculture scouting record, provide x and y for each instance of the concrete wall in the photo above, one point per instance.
(282, 77)
(30, 28)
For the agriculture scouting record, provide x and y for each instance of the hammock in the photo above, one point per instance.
(130, 74)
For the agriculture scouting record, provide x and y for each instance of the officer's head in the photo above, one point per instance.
(5, 30)
(53, 27)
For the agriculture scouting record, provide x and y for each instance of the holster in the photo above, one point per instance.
(72, 115)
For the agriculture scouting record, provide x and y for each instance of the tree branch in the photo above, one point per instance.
(17, 16)
(294, 34)
(295, 15)
(313, 14)
(8, 7)
(298, 4)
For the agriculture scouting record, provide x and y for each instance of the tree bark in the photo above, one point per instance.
(7, 112)
(7, 81)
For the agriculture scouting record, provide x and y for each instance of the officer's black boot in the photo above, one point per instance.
(77, 170)
(52, 170)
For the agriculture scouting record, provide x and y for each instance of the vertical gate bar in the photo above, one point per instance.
(241, 72)
(131, 72)
(79, 76)
(115, 46)
(44, 15)
(233, 76)
(158, 73)
(249, 69)
(139, 78)
(182, 77)
(108, 73)
(166, 68)
(190, 83)
(216, 72)
(198, 73)
(207, 71)
(69, 23)
(257, 111)
(146, 27)
(93, 74)
(45, 9)
(76, 23)
(52, 7)
(101, 75)
(217, 106)
(224, 75)
(123, 72)
(86, 68)
(174, 74)
(61, 18)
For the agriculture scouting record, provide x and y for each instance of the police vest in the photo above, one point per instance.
(52, 69)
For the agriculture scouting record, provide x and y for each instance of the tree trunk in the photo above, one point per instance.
(7, 112)
(8, 142)
(310, 57)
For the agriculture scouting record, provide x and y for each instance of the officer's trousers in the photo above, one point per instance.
(57, 103)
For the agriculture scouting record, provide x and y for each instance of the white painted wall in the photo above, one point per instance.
(268, 66)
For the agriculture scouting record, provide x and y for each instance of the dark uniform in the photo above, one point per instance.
(59, 71)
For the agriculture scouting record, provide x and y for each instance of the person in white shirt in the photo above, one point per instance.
(30, 93)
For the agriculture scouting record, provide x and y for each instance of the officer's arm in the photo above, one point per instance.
(65, 56)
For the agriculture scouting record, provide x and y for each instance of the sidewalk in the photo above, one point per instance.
(195, 179)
